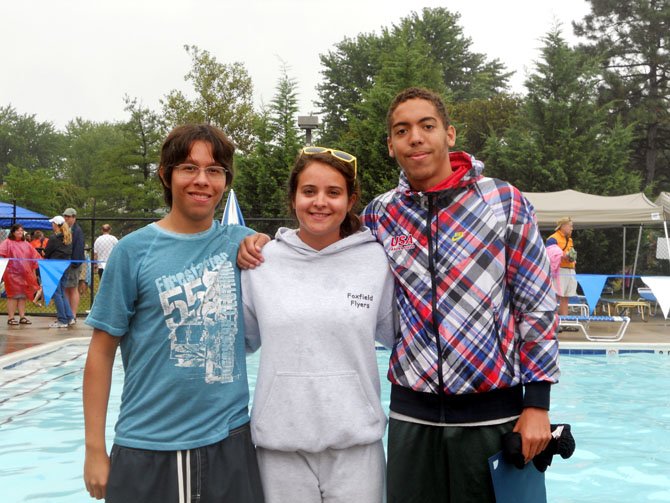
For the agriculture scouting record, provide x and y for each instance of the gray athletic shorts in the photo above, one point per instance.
(71, 276)
(225, 471)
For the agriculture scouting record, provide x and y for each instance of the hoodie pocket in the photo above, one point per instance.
(313, 412)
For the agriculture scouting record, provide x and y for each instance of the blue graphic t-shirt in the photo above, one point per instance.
(174, 299)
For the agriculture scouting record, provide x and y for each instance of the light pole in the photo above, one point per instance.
(308, 122)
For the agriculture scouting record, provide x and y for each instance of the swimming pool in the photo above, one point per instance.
(619, 408)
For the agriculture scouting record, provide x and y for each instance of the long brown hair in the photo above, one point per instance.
(351, 222)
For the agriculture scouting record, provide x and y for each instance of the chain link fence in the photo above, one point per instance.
(121, 226)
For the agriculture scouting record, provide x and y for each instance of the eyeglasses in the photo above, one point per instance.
(189, 171)
(339, 154)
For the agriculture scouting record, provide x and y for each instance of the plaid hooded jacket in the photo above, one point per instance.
(477, 311)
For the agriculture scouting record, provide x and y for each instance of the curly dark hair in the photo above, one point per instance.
(13, 229)
(419, 93)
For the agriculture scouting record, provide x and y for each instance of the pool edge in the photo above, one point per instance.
(36, 351)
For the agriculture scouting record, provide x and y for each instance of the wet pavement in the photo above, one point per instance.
(15, 338)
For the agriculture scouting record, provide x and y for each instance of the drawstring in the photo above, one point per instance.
(184, 496)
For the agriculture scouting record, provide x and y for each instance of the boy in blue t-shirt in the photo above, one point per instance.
(170, 297)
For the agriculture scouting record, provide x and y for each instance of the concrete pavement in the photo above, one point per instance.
(16, 337)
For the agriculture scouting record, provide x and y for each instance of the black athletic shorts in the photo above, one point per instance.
(221, 472)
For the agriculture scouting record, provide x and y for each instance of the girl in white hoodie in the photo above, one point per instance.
(322, 297)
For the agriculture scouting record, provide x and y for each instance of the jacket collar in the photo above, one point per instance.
(466, 170)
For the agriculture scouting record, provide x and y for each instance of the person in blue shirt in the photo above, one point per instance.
(170, 297)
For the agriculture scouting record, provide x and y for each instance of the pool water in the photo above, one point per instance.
(619, 409)
(618, 406)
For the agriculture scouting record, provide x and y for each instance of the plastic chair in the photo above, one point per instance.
(646, 294)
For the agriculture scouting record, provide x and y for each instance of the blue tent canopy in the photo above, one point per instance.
(10, 214)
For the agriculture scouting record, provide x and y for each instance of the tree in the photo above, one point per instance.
(27, 143)
(475, 120)
(347, 71)
(562, 139)
(408, 65)
(465, 74)
(224, 97)
(354, 67)
(144, 135)
(39, 190)
(633, 37)
(102, 161)
(283, 119)
(263, 173)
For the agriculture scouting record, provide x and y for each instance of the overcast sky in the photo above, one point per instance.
(62, 59)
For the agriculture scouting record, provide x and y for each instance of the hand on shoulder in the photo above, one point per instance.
(249, 255)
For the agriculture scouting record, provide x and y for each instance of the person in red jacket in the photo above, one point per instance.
(19, 277)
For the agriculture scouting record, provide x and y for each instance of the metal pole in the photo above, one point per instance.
(90, 264)
(637, 253)
(623, 267)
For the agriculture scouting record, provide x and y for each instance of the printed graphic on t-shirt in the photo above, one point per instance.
(200, 308)
(360, 300)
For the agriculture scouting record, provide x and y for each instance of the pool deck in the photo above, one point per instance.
(16, 338)
(652, 333)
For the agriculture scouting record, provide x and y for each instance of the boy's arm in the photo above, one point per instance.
(534, 307)
(249, 255)
(97, 383)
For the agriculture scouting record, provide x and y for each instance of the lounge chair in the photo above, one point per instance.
(578, 303)
(583, 322)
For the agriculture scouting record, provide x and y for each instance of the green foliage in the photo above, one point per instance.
(144, 137)
(102, 160)
(561, 138)
(366, 137)
(466, 74)
(632, 38)
(27, 143)
(475, 120)
(429, 50)
(348, 71)
(263, 174)
(223, 97)
(39, 190)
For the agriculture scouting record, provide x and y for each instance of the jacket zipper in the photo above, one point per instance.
(433, 285)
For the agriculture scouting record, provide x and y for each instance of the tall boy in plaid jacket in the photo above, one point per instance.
(478, 351)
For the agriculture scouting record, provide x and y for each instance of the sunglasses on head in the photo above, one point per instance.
(339, 154)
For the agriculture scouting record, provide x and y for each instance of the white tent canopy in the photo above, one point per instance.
(664, 200)
(588, 210)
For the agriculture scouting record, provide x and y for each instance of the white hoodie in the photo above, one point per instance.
(318, 314)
